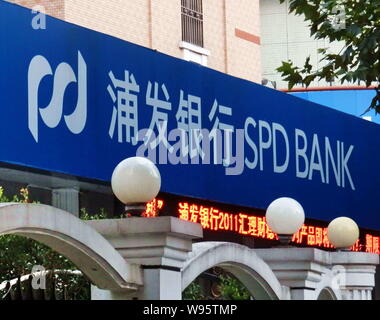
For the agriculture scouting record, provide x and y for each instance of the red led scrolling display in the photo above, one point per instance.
(211, 218)
(153, 208)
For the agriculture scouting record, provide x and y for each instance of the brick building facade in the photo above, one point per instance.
(231, 28)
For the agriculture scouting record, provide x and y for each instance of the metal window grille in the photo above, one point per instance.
(192, 21)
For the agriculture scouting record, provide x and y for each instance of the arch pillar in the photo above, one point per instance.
(356, 273)
(313, 274)
(300, 269)
(160, 246)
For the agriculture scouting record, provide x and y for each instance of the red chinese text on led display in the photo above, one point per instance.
(211, 218)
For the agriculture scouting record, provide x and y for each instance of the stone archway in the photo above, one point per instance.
(327, 288)
(73, 238)
(326, 294)
(241, 261)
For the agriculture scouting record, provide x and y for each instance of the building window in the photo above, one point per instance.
(192, 22)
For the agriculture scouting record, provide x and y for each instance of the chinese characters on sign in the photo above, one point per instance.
(215, 137)
(153, 208)
(372, 244)
(214, 219)
(125, 108)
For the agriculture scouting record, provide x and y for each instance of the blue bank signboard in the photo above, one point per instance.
(76, 101)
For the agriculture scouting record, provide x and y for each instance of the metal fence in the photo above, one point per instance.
(21, 288)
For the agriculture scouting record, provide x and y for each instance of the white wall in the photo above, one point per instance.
(285, 37)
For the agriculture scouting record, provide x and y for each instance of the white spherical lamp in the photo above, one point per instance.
(136, 181)
(285, 216)
(343, 233)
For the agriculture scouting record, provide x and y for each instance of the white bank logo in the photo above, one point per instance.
(51, 115)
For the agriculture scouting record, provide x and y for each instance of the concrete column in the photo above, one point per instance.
(163, 284)
(357, 273)
(307, 270)
(300, 269)
(66, 199)
(159, 245)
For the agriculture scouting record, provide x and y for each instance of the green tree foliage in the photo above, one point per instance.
(356, 24)
(230, 289)
(193, 292)
(233, 289)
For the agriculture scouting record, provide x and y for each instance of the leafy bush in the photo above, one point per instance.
(193, 292)
(229, 287)
(233, 289)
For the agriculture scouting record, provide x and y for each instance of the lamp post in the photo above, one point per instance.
(285, 216)
(343, 233)
(136, 181)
